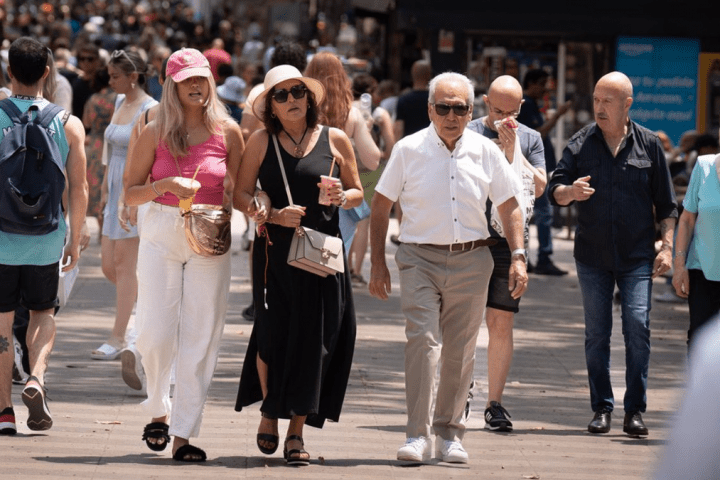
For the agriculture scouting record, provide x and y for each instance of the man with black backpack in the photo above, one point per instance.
(40, 154)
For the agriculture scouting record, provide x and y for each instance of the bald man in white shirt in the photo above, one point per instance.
(442, 176)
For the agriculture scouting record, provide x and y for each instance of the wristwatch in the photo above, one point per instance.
(520, 251)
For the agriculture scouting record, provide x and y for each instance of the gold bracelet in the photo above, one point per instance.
(155, 189)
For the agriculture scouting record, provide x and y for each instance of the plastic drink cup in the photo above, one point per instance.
(325, 183)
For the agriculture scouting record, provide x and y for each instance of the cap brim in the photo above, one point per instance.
(191, 72)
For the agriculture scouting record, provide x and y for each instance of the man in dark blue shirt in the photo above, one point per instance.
(616, 171)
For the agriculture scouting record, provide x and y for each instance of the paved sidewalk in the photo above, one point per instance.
(98, 422)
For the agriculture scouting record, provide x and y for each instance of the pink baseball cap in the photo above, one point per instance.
(186, 63)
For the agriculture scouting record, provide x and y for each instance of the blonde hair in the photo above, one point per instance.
(328, 69)
(170, 117)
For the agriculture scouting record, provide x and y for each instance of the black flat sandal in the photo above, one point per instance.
(296, 457)
(268, 438)
(156, 431)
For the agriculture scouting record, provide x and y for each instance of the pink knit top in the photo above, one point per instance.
(211, 155)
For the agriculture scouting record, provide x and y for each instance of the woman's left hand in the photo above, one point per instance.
(335, 193)
(681, 281)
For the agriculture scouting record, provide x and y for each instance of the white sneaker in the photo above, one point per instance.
(132, 370)
(450, 451)
(415, 450)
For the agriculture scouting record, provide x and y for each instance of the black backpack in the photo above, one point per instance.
(31, 171)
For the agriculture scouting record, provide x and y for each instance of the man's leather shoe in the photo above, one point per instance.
(600, 422)
(633, 425)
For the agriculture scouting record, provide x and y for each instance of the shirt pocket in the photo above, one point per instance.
(638, 169)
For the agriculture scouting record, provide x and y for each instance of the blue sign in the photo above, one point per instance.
(664, 73)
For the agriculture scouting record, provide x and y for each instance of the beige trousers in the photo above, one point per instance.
(443, 297)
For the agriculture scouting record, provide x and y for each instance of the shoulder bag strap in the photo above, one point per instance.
(282, 169)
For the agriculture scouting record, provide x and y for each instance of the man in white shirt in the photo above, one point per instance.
(442, 176)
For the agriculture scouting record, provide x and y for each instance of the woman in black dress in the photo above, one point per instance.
(300, 351)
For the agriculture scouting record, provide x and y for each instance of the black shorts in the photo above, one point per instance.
(33, 287)
(498, 294)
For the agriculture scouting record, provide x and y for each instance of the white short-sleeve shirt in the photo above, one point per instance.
(443, 193)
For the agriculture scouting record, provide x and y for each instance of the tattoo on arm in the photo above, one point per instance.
(4, 344)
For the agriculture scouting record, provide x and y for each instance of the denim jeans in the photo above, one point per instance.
(597, 286)
(543, 222)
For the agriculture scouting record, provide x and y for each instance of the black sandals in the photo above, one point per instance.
(268, 438)
(157, 431)
(296, 457)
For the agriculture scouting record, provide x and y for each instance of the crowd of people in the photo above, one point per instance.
(160, 116)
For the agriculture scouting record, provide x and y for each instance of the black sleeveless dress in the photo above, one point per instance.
(305, 324)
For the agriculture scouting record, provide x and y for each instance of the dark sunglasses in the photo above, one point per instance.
(297, 91)
(443, 109)
(87, 59)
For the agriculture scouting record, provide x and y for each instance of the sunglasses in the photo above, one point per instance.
(87, 59)
(297, 91)
(121, 53)
(443, 109)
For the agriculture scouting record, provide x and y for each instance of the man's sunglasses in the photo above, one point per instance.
(297, 91)
(443, 109)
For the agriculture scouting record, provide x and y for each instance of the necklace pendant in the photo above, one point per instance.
(298, 151)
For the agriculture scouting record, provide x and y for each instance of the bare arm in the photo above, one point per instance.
(380, 284)
(382, 117)
(345, 156)
(513, 226)
(545, 128)
(686, 227)
(77, 182)
(236, 147)
(663, 260)
(368, 152)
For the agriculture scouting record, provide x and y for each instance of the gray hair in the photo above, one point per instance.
(451, 77)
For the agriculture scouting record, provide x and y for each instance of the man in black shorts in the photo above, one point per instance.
(30, 264)
(504, 99)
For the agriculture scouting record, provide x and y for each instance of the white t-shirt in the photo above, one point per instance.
(442, 193)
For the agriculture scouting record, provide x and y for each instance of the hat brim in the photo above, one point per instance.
(226, 94)
(191, 72)
(317, 89)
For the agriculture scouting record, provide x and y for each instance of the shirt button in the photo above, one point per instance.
(452, 178)
(453, 198)
(455, 219)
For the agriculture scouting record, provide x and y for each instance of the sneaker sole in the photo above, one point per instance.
(129, 373)
(499, 428)
(38, 415)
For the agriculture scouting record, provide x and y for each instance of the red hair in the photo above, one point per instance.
(328, 69)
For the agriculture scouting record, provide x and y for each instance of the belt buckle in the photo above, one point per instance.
(461, 247)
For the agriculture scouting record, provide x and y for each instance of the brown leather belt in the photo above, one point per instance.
(461, 247)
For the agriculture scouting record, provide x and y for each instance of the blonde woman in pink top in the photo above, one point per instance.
(182, 296)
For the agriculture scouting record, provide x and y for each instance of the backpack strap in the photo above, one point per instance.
(12, 111)
(47, 114)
